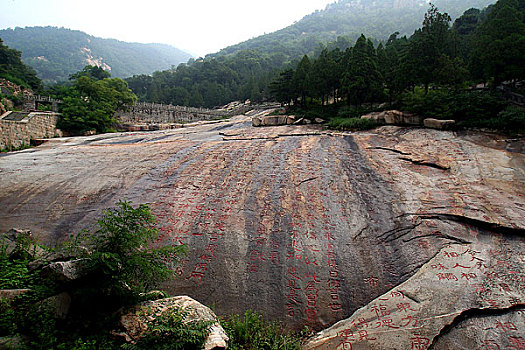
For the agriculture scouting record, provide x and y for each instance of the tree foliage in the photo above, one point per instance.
(436, 55)
(13, 69)
(499, 43)
(120, 254)
(91, 102)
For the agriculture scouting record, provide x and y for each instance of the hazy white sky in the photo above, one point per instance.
(197, 26)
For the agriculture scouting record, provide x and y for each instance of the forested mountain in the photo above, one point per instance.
(347, 20)
(55, 53)
(384, 71)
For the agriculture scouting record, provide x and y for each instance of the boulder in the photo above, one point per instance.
(378, 117)
(135, 322)
(439, 124)
(393, 117)
(59, 304)
(272, 120)
(58, 133)
(256, 121)
(65, 271)
(463, 280)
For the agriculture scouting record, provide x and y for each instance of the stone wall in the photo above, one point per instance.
(35, 125)
(153, 113)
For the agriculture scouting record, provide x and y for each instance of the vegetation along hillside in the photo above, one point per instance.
(347, 20)
(247, 73)
(13, 69)
(55, 53)
(429, 73)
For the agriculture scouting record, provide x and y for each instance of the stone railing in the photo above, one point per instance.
(19, 130)
(153, 113)
(31, 102)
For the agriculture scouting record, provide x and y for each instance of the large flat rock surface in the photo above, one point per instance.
(303, 225)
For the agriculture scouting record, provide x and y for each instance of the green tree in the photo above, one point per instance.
(120, 253)
(499, 43)
(91, 104)
(362, 79)
(302, 79)
(391, 60)
(427, 45)
(93, 72)
(326, 74)
(282, 87)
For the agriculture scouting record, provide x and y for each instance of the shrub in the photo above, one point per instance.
(461, 106)
(14, 273)
(122, 265)
(119, 253)
(170, 331)
(511, 120)
(353, 112)
(351, 124)
(253, 333)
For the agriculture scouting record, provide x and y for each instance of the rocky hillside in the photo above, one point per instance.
(57, 52)
(408, 236)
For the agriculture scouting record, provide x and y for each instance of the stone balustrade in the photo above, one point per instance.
(154, 113)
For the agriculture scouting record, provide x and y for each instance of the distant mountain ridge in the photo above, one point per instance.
(377, 19)
(55, 53)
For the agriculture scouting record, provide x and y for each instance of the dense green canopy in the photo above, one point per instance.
(13, 69)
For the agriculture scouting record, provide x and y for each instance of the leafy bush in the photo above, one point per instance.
(458, 105)
(354, 112)
(14, 273)
(253, 333)
(351, 124)
(91, 104)
(118, 253)
(511, 120)
(121, 266)
(170, 331)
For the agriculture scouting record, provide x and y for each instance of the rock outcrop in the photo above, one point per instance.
(463, 280)
(273, 120)
(135, 322)
(304, 225)
(65, 271)
(439, 124)
(394, 117)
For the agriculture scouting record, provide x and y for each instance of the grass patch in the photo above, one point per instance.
(251, 332)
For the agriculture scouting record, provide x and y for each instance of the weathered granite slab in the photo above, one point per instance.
(303, 225)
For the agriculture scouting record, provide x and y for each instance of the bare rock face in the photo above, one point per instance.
(135, 323)
(464, 280)
(303, 225)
